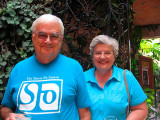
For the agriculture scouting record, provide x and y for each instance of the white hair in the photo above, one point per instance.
(104, 39)
(47, 18)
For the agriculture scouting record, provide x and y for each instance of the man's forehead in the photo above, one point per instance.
(51, 26)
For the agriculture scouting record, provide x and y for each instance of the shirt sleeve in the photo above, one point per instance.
(7, 98)
(82, 97)
(137, 95)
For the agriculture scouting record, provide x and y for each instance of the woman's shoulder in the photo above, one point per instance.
(91, 70)
(120, 70)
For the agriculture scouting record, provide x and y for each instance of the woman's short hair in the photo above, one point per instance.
(104, 39)
(47, 18)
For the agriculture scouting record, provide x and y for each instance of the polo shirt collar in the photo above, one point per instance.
(92, 77)
(114, 74)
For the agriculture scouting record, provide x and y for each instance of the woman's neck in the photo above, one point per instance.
(103, 76)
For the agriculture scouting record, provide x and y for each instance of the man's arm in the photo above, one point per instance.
(84, 114)
(138, 112)
(7, 113)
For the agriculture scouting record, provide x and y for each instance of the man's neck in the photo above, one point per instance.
(45, 59)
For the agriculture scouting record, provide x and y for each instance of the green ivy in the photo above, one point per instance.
(15, 21)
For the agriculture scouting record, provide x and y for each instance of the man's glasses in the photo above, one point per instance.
(52, 36)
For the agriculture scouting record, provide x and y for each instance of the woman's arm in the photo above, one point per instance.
(138, 112)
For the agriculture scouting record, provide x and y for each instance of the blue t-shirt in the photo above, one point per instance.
(112, 100)
(53, 91)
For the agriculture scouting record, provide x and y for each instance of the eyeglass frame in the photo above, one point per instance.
(46, 36)
(106, 53)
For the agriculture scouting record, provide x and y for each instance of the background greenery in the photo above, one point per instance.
(151, 48)
(15, 22)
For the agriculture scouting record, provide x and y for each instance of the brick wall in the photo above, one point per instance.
(147, 12)
(146, 33)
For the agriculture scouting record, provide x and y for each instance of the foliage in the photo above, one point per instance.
(15, 22)
(151, 48)
(152, 108)
(76, 52)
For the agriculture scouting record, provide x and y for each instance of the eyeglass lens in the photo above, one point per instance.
(44, 36)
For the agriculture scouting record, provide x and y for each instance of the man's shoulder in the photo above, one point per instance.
(25, 61)
(69, 60)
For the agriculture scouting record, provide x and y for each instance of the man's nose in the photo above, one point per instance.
(48, 40)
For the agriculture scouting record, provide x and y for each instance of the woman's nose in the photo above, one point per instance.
(102, 55)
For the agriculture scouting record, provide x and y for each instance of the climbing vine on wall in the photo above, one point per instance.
(16, 18)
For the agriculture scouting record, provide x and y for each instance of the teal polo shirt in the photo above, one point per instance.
(112, 99)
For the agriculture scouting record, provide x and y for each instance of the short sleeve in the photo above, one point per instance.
(137, 95)
(82, 97)
(7, 98)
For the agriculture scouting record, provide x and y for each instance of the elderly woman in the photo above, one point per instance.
(106, 85)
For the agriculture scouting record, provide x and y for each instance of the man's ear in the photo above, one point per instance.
(32, 37)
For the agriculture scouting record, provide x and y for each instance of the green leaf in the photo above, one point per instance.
(67, 36)
(2, 75)
(17, 7)
(9, 6)
(17, 51)
(47, 9)
(30, 1)
(1, 59)
(9, 20)
(27, 19)
(1, 10)
(115, 5)
(12, 13)
(24, 26)
(31, 13)
(7, 75)
(14, 57)
(3, 63)
(3, 18)
(23, 5)
(16, 22)
(21, 12)
(28, 30)
(25, 44)
(20, 32)
(1, 82)
(9, 69)
(26, 35)
(31, 49)
(8, 54)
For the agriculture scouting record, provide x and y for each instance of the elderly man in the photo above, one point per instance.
(47, 85)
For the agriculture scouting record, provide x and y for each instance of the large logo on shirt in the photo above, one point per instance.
(40, 96)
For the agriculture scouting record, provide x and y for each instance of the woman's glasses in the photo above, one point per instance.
(105, 54)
